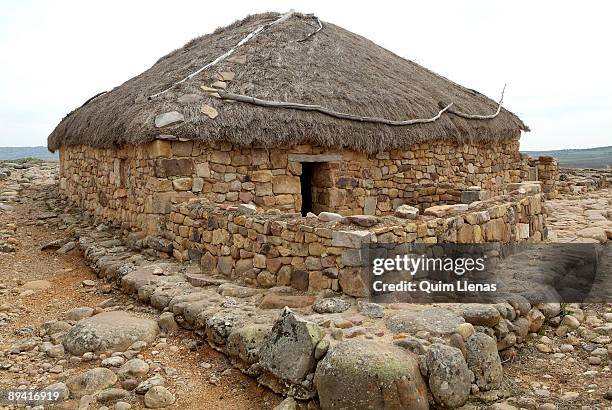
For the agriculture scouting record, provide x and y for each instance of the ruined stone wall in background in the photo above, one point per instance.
(546, 170)
(137, 185)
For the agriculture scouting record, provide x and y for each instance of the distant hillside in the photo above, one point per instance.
(11, 153)
(580, 158)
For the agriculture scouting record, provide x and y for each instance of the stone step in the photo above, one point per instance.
(202, 280)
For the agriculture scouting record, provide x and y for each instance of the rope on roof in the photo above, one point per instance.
(377, 120)
(308, 107)
(315, 31)
(222, 57)
(482, 117)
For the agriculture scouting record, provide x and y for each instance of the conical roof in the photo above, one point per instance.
(333, 68)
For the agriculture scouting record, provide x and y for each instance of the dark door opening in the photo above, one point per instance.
(306, 182)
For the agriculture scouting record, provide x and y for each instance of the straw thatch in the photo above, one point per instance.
(333, 68)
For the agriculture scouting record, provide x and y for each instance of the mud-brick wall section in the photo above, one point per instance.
(308, 254)
(137, 184)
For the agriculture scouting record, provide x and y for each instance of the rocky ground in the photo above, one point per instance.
(51, 296)
(43, 292)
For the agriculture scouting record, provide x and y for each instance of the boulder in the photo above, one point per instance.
(133, 368)
(483, 360)
(437, 321)
(109, 331)
(90, 382)
(158, 397)
(359, 374)
(450, 379)
(288, 351)
(481, 315)
(244, 343)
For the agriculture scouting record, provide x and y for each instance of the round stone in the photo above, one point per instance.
(109, 331)
(158, 397)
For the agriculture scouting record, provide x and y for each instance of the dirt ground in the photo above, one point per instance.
(179, 357)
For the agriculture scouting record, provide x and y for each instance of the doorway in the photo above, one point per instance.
(306, 185)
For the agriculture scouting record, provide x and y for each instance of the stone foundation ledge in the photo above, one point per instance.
(339, 351)
(314, 253)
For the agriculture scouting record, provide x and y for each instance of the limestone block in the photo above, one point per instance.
(182, 148)
(261, 176)
(203, 170)
(160, 148)
(182, 184)
(174, 167)
(198, 184)
(220, 157)
(350, 239)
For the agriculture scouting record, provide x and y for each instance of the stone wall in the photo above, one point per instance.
(137, 185)
(546, 170)
(314, 253)
(580, 181)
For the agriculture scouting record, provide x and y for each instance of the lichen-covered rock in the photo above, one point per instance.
(371, 310)
(109, 331)
(146, 385)
(78, 313)
(481, 315)
(133, 368)
(220, 325)
(331, 305)
(158, 397)
(90, 382)
(288, 351)
(450, 379)
(244, 343)
(111, 395)
(437, 321)
(483, 360)
(359, 374)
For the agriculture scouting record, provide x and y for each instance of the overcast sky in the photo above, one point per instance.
(555, 56)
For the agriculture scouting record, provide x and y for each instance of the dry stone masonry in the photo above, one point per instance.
(314, 253)
(137, 184)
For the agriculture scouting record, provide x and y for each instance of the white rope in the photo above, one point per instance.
(222, 57)
(327, 111)
(315, 31)
(377, 120)
(482, 117)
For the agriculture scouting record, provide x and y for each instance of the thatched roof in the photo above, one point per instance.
(334, 68)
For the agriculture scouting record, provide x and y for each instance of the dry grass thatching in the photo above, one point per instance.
(333, 68)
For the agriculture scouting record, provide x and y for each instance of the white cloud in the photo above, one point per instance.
(57, 54)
